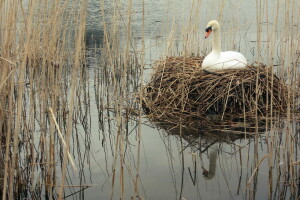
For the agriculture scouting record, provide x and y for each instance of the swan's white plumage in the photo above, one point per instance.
(217, 60)
(224, 60)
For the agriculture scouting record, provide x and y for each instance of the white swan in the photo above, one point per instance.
(217, 60)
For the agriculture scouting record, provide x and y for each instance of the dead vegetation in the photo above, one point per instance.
(180, 91)
(44, 94)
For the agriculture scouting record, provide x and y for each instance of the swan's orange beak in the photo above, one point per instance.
(207, 33)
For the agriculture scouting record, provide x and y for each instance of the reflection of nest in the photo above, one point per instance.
(203, 138)
(181, 93)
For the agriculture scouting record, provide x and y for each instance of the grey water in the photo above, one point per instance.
(166, 171)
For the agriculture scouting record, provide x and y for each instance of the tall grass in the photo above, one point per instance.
(45, 98)
(37, 42)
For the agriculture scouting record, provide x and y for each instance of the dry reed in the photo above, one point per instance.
(38, 52)
(36, 40)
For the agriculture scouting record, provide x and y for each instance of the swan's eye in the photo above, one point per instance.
(208, 29)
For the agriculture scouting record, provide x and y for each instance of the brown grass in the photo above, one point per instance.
(42, 54)
(40, 42)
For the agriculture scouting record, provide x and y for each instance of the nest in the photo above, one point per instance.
(180, 92)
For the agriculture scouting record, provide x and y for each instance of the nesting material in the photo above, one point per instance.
(180, 92)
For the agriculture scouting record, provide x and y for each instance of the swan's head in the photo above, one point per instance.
(211, 26)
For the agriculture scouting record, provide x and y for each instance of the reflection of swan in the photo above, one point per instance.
(217, 60)
(210, 174)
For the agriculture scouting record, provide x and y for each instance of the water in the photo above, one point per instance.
(166, 172)
(172, 167)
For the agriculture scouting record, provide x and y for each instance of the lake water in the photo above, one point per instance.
(104, 140)
(166, 171)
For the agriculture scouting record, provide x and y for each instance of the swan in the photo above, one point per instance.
(217, 60)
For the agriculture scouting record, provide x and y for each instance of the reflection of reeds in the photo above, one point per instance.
(36, 55)
(41, 59)
(278, 51)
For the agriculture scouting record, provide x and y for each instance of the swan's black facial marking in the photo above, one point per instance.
(208, 29)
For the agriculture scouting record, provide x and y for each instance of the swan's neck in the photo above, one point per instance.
(212, 164)
(216, 43)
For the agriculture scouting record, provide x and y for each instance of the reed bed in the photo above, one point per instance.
(46, 129)
(41, 61)
(180, 91)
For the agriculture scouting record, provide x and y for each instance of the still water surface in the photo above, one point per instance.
(166, 172)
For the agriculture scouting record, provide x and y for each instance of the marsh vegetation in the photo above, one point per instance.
(72, 124)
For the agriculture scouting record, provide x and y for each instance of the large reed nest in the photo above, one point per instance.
(180, 92)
